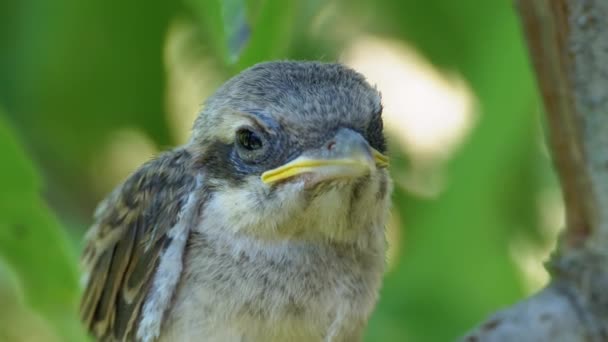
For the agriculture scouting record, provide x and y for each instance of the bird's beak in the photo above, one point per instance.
(346, 155)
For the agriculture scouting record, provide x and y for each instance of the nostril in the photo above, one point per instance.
(331, 145)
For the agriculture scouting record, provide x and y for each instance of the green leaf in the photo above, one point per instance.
(33, 243)
(236, 28)
(243, 33)
(209, 14)
(225, 23)
(270, 32)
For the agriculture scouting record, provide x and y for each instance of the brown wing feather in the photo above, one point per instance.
(124, 244)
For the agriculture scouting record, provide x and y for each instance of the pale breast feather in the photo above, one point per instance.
(133, 252)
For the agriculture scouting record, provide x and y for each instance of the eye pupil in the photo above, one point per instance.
(249, 140)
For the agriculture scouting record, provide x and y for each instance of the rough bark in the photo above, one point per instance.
(568, 44)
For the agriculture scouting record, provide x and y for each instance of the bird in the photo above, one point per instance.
(268, 224)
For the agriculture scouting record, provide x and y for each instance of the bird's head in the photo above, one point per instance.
(294, 150)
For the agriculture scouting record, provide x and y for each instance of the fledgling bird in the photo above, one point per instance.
(268, 225)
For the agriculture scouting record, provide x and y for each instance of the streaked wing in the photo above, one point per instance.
(124, 245)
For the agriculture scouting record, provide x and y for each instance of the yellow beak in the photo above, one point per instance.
(346, 155)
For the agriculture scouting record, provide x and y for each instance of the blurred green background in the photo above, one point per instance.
(91, 89)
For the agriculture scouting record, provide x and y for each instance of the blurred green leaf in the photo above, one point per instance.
(270, 32)
(211, 20)
(77, 71)
(235, 27)
(33, 243)
(18, 322)
(246, 32)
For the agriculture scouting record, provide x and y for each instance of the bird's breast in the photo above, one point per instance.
(285, 291)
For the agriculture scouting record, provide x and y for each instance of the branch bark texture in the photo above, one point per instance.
(568, 44)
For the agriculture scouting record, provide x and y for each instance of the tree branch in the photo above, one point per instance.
(568, 43)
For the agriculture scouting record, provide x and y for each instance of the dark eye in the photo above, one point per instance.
(248, 140)
(251, 145)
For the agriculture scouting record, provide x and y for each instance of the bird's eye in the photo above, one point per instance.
(248, 140)
(251, 145)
